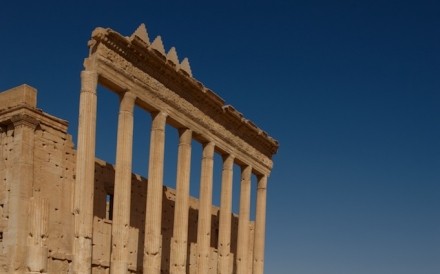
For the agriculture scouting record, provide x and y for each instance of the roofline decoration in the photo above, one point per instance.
(142, 57)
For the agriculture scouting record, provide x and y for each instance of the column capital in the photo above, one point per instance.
(228, 158)
(246, 171)
(89, 81)
(128, 99)
(159, 119)
(24, 120)
(129, 93)
(208, 149)
(185, 136)
(262, 182)
(159, 113)
(183, 130)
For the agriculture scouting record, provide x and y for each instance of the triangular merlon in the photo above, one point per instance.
(172, 56)
(158, 45)
(185, 66)
(141, 33)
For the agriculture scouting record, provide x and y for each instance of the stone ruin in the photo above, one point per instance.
(64, 211)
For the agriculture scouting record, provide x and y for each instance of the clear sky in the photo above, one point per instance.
(350, 89)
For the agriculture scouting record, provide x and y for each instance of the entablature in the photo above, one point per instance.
(160, 83)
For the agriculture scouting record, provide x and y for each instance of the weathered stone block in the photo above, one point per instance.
(18, 96)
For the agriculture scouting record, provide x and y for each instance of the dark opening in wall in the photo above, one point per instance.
(109, 207)
(1, 215)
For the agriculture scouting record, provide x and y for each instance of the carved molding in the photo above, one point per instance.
(14, 117)
(132, 63)
(24, 119)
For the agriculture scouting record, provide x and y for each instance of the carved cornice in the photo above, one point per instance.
(136, 58)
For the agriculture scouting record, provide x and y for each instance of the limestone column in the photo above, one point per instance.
(122, 190)
(179, 241)
(224, 240)
(85, 174)
(153, 219)
(205, 204)
(20, 176)
(260, 226)
(36, 261)
(243, 221)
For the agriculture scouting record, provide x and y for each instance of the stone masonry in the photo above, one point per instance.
(64, 211)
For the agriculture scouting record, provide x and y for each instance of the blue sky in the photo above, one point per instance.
(350, 89)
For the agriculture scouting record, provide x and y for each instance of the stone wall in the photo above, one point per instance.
(104, 177)
(54, 158)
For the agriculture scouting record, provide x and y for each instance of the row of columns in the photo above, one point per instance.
(122, 195)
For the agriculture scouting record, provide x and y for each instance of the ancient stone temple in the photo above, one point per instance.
(64, 211)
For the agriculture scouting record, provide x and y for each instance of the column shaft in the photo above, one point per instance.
(179, 242)
(153, 220)
(260, 226)
(122, 189)
(243, 221)
(21, 179)
(224, 241)
(85, 175)
(205, 205)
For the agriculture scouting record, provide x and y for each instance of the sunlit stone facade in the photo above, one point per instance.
(64, 211)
